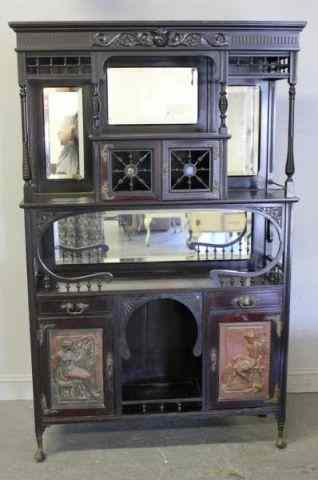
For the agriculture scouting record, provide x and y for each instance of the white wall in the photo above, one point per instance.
(15, 375)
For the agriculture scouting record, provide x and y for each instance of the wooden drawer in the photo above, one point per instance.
(75, 306)
(245, 298)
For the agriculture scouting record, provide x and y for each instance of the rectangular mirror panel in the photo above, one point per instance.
(63, 130)
(244, 127)
(152, 95)
(153, 236)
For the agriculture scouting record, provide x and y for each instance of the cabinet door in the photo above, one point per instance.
(243, 356)
(78, 359)
(191, 170)
(130, 170)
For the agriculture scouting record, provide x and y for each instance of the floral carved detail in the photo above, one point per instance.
(159, 38)
(275, 212)
(216, 39)
(105, 187)
(278, 324)
(96, 105)
(41, 332)
(45, 218)
(44, 406)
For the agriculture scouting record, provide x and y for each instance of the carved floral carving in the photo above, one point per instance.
(275, 212)
(44, 218)
(159, 38)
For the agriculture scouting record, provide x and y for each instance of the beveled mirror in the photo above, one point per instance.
(244, 128)
(152, 95)
(63, 132)
(153, 236)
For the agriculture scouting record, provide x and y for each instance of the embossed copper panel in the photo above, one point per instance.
(76, 368)
(244, 361)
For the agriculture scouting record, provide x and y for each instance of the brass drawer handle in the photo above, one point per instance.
(74, 308)
(245, 301)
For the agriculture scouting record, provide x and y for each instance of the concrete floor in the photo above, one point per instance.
(201, 449)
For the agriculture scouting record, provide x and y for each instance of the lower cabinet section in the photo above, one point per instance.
(166, 356)
(243, 359)
(77, 366)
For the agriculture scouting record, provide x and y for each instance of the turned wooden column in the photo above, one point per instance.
(290, 161)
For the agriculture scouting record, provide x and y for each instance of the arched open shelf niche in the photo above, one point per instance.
(161, 336)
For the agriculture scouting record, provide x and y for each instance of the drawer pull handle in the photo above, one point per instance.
(245, 301)
(74, 308)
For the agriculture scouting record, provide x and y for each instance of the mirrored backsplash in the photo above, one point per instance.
(153, 236)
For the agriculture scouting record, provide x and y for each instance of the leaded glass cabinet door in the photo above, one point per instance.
(192, 170)
(77, 359)
(243, 359)
(129, 170)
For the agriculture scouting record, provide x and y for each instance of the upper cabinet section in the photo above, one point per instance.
(142, 112)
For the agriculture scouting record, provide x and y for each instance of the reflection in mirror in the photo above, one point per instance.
(153, 236)
(243, 125)
(63, 128)
(152, 95)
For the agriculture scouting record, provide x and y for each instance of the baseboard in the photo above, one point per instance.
(19, 387)
(16, 387)
(303, 380)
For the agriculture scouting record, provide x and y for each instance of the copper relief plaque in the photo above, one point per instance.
(244, 361)
(76, 368)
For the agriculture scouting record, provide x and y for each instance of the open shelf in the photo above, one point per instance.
(162, 370)
(162, 389)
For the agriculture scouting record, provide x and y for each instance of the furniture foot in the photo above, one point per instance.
(39, 454)
(281, 440)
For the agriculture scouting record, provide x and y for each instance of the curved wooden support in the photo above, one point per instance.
(43, 224)
(215, 274)
(105, 275)
(193, 245)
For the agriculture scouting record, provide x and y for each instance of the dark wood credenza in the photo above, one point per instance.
(157, 240)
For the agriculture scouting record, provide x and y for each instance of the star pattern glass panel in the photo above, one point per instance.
(131, 170)
(190, 170)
